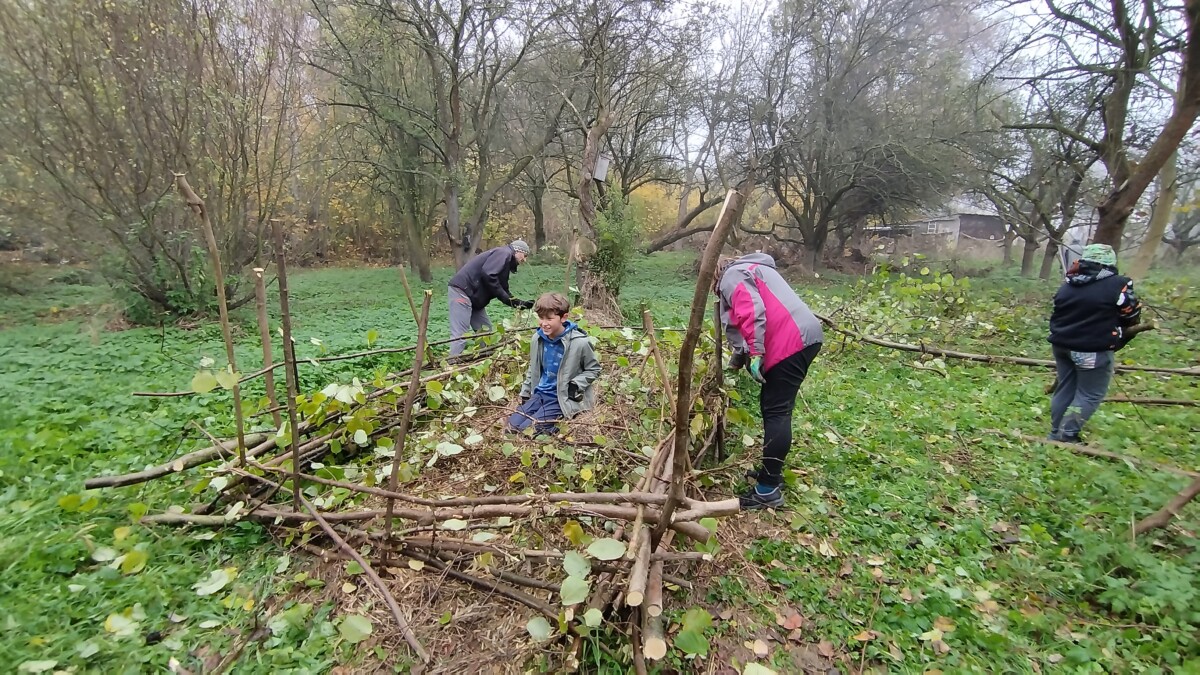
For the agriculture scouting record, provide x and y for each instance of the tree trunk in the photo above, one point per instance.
(1009, 236)
(1130, 184)
(459, 240)
(1027, 256)
(538, 191)
(1164, 203)
(1048, 259)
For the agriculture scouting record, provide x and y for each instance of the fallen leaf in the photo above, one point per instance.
(877, 573)
(759, 648)
(931, 635)
(791, 621)
(847, 569)
(757, 669)
(875, 561)
(944, 624)
(906, 595)
(825, 648)
(865, 636)
(931, 569)
(895, 652)
(796, 635)
(1054, 658)
(988, 607)
(826, 549)
(416, 565)
(1000, 526)
(726, 614)
(940, 647)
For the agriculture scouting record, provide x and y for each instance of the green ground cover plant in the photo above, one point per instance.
(914, 540)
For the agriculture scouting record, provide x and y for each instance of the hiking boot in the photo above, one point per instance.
(1070, 438)
(754, 500)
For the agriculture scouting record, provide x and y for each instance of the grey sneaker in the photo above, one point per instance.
(753, 500)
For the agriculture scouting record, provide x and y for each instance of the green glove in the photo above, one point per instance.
(756, 370)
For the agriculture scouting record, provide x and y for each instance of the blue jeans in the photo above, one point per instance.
(542, 408)
(1083, 379)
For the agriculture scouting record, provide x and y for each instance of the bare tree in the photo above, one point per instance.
(1133, 48)
(108, 100)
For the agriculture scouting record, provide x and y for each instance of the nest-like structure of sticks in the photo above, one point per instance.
(531, 545)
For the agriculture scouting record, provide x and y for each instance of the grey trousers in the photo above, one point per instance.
(1083, 379)
(464, 317)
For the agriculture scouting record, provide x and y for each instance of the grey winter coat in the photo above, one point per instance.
(579, 365)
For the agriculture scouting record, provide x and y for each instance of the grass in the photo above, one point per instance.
(933, 524)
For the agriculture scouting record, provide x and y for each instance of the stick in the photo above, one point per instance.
(323, 359)
(990, 358)
(684, 522)
(405, 418)
(570, 257)
(659, 362)
(653, 644)
(214, 253)
(492, 587)
(1153, 401)
(734, 202)
(654, 584)
(412, 306)
(401, 621)
(264, 332)
(289, 360)
(174, 466)
(1096, 452)
(639, 574)
(1167, 513)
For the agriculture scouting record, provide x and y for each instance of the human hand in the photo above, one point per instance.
(737, 361)
(756, 370)
(522, 304)
(574, 391)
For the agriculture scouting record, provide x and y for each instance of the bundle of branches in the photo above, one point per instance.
(561, 525)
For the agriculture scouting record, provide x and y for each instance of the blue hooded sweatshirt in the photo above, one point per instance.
(552, 354)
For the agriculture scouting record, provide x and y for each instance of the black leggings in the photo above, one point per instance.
(776, 402)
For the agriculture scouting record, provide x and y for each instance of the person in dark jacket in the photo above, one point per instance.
(1092, 310)
(776, 337)
(483, 279)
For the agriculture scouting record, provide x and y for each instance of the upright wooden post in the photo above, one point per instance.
(214, 254)
(734, 203)
(289, 362)
(410, 397)
(264, 334)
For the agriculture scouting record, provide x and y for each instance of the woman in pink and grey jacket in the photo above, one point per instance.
(770, 327)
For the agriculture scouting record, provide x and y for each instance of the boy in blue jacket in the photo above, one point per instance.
(562, 369)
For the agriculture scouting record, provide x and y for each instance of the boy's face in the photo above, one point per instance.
(552, 324)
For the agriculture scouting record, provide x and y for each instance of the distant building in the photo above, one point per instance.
(962, 228)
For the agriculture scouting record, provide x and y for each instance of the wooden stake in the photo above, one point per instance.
(654, 584)
(659, 361)
(289, 360)
(730, 212)
(639, 574)
(653, 644)
(412, 306)
(214, 253)
(410, 397)
(264, 333)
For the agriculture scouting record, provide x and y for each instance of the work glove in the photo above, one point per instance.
(737, 360)
(756, 369)
(574, 391)
(522, 304)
